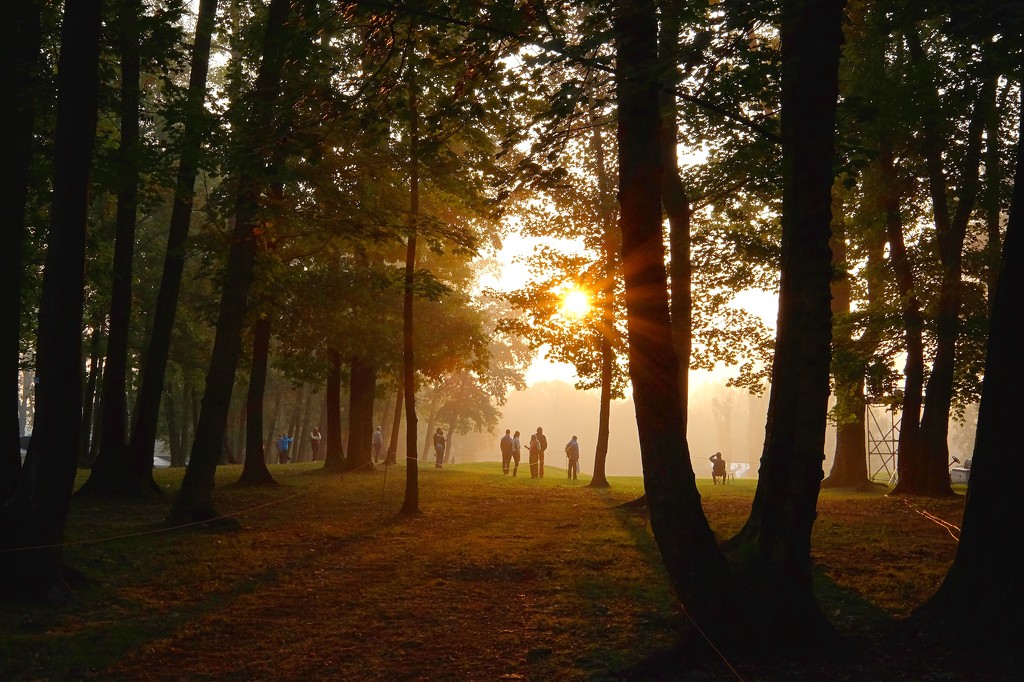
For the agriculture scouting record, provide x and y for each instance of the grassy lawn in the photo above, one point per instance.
(500, 578)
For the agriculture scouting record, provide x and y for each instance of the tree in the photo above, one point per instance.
(114, 471)
(154, 370)
(194, 501)
(979, 604)
(681, 531)
(36, 515)
(21, 52)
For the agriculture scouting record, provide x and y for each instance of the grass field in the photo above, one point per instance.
(499, 578)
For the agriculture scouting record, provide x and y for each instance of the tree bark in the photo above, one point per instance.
(362, 387)
(334, 458)
(396, 423)
(255, 471)
(772, 554)
(411, 503)
(606, 303)
(695, 565)
(36, 515)
(21, 55)
(116, 473)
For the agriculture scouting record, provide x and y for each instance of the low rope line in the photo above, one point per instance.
(155, 530)
(710, 643)
(950, 527)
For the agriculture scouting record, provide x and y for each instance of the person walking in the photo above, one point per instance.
(542, 441)
(378, 444)
(506, 451)
(572, 452)
(516, 447)
(283, 444)
(314, 442)
(438, 448)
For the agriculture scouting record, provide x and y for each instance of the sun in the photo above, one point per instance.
(575, 302)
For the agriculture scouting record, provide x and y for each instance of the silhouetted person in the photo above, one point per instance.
(543, 442)
(534, 455)
(438, 448)
(378, 444)
(314, 442)
(572, 452)
(517, 445)
(506, 451)
(717, 468)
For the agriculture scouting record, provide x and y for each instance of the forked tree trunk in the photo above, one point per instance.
(980, 605)
(694, 563)
(928, 472)
(771, 555)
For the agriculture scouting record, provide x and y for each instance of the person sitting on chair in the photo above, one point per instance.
(717, 468)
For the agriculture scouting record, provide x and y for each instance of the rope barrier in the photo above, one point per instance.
(711, 644)
(952, 529)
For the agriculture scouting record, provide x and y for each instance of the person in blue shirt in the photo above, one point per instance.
(284, 443)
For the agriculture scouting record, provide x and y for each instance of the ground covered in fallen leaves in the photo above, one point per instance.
(497, 578)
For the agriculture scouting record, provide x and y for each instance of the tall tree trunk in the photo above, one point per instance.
(154, 369)
(909, 445)
(305, 425)
(991, 201)
(175, 443)
(334, 458)
(411, 503)
(928, 472)
(20, 50)
(606, 303)
(115, 473)
(980, 604)
(850, 357)
(396, 423)
(36, 515)
(362, 387)
(694, 563)
(90, 397)
(675, 202)
(194, 501)
(255, 471)
(772, 552)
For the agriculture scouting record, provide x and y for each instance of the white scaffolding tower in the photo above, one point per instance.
(883, 437)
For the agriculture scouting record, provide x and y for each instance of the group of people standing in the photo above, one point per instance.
(511, 447)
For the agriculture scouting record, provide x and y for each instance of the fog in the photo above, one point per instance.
(721, 419)
(725, 420)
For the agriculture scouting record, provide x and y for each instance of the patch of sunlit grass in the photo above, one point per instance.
(496, 578)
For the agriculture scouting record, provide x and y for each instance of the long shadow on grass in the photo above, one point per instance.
(690, 654)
